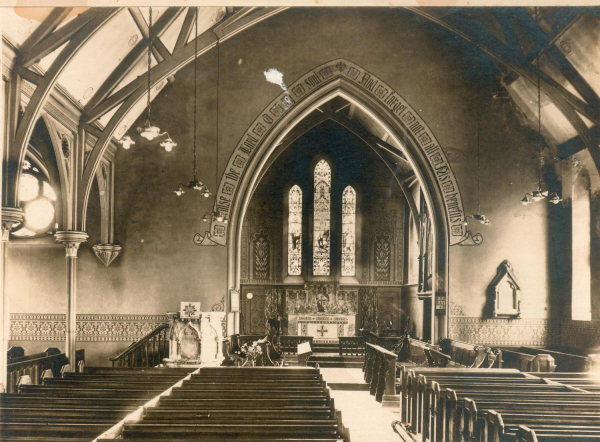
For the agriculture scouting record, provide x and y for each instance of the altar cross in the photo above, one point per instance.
(322, 330)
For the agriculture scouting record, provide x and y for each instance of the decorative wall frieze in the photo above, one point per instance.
(90, 328)
(505, 331)
(580, 334)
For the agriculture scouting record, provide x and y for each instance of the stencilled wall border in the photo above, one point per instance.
(90, 328)
(505, 331)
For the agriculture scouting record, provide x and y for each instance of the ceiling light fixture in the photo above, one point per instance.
(540, 194)
(194, 184)
(148, 131)
(478, 216)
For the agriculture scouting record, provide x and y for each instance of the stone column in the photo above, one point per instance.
(71, 240)
(11, 216)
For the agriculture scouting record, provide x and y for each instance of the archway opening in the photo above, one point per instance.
(382, 268)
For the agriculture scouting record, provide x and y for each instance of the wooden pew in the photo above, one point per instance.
(380, 371)
(79, 406)
(565, 362)
(274, 404)
(526, 362)
(440, 404)
(464, 354)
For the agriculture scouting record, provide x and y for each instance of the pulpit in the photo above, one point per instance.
(195, 337)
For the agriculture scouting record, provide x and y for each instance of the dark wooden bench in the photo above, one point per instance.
(243, 403)
(464, 354)
(80, 406)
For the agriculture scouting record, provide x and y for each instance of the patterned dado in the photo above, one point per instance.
(90, 328)
(584, 335)
(505, 331)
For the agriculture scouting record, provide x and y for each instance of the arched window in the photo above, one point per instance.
(37, 201)
(581, 298)
(321, 232)
(295, 232)
(348, 231)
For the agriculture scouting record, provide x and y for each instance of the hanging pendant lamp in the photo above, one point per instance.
(194, 183)
(539, 193)
(148, 131)
(478, 216)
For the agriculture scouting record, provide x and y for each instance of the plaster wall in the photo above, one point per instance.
(428, 66)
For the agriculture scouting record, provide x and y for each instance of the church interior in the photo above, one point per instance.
(300, 223)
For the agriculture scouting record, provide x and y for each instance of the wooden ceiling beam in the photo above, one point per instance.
(92, 110)
(158, 48)
(50, 23)
(179, 59)
(56, 39)
(25, 126)
(186, 28)
(31, 76)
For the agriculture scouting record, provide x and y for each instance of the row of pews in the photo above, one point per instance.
(211, 404)
(454, 404)
(245, 404)
(79, 406)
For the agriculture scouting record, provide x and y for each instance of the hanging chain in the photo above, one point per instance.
(195, 93)
(149, 58)
(539, 98)
(478, 150)
(217, 144)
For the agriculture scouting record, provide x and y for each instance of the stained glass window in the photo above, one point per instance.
(295, 232)
(348, 232)
(322, 204)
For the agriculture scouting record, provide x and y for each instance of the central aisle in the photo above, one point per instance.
(366, 419)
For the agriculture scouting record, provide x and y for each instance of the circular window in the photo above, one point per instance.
(37, 201)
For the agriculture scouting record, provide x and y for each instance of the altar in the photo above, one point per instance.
(325, 328)
(323, 311)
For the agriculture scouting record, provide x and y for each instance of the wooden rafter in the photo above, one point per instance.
(56, 39)
(126, 65)
(186, 29)
(27, 122)
(50, 23)
(179, 59)
(159, 50)
(569, 104)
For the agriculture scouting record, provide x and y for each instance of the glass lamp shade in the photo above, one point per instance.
(126, 142)
(179, 191)
(525, 200)
(555, 199)
(205, 218)
(249, 295)
(168, 144)
(206, 193)
(149, 132)
(537, 195)
(219, 217)
(196, 185)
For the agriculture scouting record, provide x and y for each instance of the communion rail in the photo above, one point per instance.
(147, 352)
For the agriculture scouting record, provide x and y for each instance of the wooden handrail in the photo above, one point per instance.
(147, 352)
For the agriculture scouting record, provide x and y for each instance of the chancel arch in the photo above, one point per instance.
(345, 86)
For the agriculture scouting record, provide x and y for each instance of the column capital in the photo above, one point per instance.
(11, 216)
(71, 240)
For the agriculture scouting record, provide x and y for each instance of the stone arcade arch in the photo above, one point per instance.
(384, 106)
